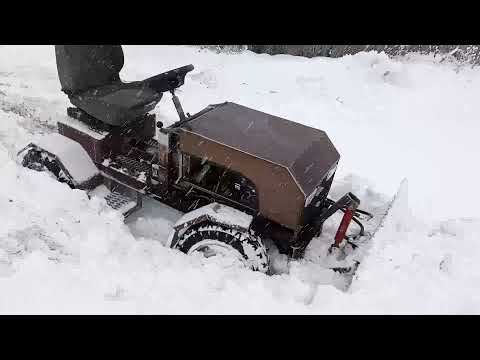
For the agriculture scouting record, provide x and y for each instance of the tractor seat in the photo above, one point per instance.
(90, 76)
(117, 104)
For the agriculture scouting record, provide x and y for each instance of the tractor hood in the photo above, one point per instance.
(306, 152)
(281, 157)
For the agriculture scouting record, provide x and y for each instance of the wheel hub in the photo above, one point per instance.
(211, 248)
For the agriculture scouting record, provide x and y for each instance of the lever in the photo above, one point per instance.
(178, 106)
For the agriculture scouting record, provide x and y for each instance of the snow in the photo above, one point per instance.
(415, 118)
(219, 212)
(72, 155)
(78, 125)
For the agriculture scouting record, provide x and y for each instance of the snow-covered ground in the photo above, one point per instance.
(390, 119)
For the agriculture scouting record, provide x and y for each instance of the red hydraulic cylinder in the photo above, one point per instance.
(342, 229)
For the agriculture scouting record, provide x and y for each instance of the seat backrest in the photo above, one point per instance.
(82, 67)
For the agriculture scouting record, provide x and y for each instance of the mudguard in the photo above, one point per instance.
(72, 158)
(214, 213)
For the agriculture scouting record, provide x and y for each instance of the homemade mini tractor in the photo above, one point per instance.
(241, 176)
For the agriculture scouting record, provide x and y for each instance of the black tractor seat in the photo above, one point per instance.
(117, 104)
(89, 75)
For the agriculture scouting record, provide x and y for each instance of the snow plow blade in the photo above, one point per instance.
(353, 252)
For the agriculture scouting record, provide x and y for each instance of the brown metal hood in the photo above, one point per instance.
(306, 152)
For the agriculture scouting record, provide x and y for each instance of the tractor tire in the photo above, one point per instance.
(40, 161)
(217, 239)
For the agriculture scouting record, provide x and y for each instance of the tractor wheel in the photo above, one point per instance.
(38, 160)
(220, 240)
